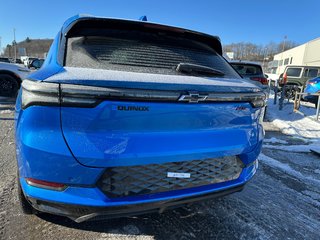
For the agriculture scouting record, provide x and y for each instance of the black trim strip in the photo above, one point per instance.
(43, 93)
(80, 213)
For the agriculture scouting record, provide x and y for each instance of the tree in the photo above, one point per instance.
(253, 52)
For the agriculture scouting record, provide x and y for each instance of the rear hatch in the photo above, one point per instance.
(123, 102)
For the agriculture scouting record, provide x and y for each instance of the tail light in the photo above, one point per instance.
(313, 82)
(47, 185)
(285, 78)
(39, 93)
(262, 80)
(69, 95)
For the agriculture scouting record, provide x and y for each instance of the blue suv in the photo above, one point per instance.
(126, 117)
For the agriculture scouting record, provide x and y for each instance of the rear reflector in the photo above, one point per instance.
(47, 185)
(262, 80)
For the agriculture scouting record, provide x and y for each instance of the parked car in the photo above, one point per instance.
(126, 117)
(35, 63)
(4, 59)
(11, 76)
(295, 77)
(252, 71)
(18, 61)
(298, 75)
(273, 78)
(28, 60)
(312, 86)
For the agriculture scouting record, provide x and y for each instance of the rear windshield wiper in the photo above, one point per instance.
(190, 68)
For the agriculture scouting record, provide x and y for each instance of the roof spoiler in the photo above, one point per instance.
(75, 25)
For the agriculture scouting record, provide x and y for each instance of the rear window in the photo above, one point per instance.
(247, 69)
(294, 72)
(141, 52)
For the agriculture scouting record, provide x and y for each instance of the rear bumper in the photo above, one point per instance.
(83, 213)
(43, 154)
(83, 203)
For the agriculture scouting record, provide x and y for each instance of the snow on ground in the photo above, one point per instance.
(275, 140)
(300, 125)
(294, 148)
(288, 169)
(296, 124)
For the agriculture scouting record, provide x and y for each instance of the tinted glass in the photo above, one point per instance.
(312, 72)
(142, 52)
(293, 72)
(36, 64)
(247, 69)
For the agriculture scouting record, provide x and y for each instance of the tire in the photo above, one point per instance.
(25, 206)
(290, 93)
(8, 85)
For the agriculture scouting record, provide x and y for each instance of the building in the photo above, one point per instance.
(306, 54)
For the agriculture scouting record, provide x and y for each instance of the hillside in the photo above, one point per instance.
(33, 48)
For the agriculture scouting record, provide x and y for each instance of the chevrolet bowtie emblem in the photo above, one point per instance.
(193, 98)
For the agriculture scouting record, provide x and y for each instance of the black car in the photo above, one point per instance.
(251, 71)
(4, 59)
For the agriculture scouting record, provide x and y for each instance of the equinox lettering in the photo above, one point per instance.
(133, 108)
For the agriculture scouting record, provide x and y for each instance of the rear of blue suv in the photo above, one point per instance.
(127, 117)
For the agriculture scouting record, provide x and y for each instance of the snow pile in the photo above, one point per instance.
(291, 123)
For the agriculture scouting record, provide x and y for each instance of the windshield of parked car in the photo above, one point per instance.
(142, 52)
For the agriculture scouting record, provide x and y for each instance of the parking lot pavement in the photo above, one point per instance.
(281, 202)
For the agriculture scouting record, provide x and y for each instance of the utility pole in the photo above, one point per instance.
(0, 47)
(14, 44)
(284, 43)
(283, 46)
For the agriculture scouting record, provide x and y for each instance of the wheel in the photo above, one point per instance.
(290, 91)
(24, 204)
(8, 85)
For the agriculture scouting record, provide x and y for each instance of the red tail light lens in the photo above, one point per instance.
(285, 78)
(262, 80)
(44, 184)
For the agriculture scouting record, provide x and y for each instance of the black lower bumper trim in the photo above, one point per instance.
(82, 213)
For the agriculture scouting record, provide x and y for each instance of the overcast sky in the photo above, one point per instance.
(233, 20)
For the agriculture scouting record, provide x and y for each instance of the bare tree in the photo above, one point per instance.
(253, 52)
